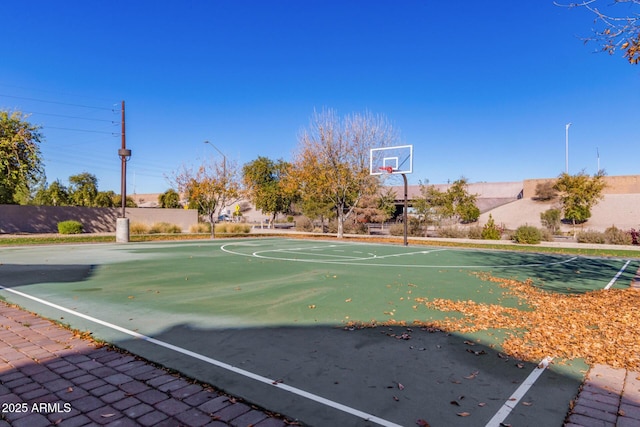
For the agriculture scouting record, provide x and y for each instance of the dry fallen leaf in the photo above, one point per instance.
(422, 423)
(472, 375)
(564, 325)
(463, 414)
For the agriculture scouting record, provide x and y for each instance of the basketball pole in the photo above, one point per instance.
(404, 214)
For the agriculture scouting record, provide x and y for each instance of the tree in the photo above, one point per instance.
(459, 203)
(429, 207)
(20, 159)
(210, 188)
(455, 203)
(263, 179)
(105, 199)
(551, 220)
(386, 204)
(318, 209)
(579, 193)
(170, 199)
(83, 189)
(615, 32)
(545, 191)
(129, 202)
(55, 194)
(332, 160)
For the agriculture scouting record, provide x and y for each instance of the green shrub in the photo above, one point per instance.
(232, 228)
(414, 229)
(491, 231)
(304, 224)
(138, 228)
(527, 234)
(475, 232)
(551, 219)
(69, 227)
(615, 236)
(590, 236)
(546, 235)
(452, 232)
(201, 227)
(396, 230)
(545, 191)
(164, 228)
(356, 228)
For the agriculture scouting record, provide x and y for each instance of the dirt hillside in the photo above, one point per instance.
(621, 210)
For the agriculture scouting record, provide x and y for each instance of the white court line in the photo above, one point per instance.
(515, 398)
(517, 395)
(211, 361)
(356, 261)
(617, 275)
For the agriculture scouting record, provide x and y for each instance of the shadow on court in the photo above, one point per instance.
(14, 275)
(398, 374)
(557, 273)
(335, 375)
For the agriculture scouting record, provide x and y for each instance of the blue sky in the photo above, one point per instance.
(482, 89)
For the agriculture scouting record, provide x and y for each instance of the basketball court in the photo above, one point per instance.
(277, 322)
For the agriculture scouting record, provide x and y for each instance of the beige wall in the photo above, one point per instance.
(623, 184)
(44, 219)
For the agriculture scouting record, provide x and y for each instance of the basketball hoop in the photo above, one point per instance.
(387, 169)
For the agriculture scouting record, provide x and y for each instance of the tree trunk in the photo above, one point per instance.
(213, 225)
(341, 219)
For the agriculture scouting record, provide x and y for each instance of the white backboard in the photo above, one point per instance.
(391, 160)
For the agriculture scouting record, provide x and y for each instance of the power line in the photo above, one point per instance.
(57, 102)
(56, 92)
(73, 117)
(82, 130)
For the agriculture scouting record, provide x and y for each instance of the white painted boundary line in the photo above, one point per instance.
(211, 361)
(615, 278)
(515, 398)
(517, 395)
(357, 261)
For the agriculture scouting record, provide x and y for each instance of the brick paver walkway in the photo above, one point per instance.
(609, 397)
(51, 376)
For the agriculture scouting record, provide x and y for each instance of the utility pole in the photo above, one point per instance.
(122, 223)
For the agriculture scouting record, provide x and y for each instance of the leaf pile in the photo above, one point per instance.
(600, 326)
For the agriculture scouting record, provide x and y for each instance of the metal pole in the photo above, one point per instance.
(122, 223)
(125, 155)
(224, 159)
(404, 215)
(123, 178)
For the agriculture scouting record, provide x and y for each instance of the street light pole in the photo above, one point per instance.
(566, 154)
(224, 158)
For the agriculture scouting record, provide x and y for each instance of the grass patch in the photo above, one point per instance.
(505, 246)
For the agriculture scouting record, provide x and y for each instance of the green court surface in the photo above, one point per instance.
(267, 320)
